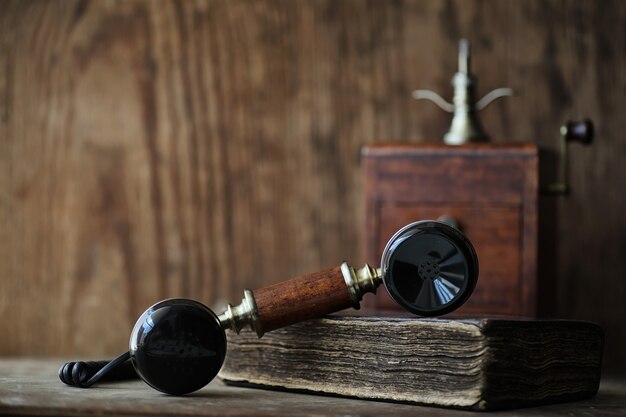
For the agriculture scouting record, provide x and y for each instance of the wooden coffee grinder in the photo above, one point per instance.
(490, 191)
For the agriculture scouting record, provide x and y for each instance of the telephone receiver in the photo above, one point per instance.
(178, 345)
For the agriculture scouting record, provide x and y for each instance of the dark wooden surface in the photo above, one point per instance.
(490, 190)
(155, 149)
(302, 298)
(31, 388)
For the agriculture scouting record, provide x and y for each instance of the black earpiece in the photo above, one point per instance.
(429, 268)
(177, 346)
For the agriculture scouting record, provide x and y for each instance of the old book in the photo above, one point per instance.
(480, 364)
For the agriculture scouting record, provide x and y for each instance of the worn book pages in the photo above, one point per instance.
(470, 363)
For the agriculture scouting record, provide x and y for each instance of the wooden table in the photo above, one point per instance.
(31, 387)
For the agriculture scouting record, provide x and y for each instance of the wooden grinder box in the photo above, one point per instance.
(490, 190)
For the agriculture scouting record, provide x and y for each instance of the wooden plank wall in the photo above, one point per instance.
(157, 149)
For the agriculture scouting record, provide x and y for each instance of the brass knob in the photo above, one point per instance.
(465, 126)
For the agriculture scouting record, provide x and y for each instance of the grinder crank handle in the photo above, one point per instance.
(301, 298)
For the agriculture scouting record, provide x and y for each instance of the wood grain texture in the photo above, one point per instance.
(302, 298)
(30, 387)
(155, 149)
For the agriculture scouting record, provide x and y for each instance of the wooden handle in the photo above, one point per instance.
(302, 298)
(579, 131)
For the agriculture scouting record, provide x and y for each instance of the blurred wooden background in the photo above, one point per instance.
(157, 149)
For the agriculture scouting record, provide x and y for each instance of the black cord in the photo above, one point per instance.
(85, 374)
